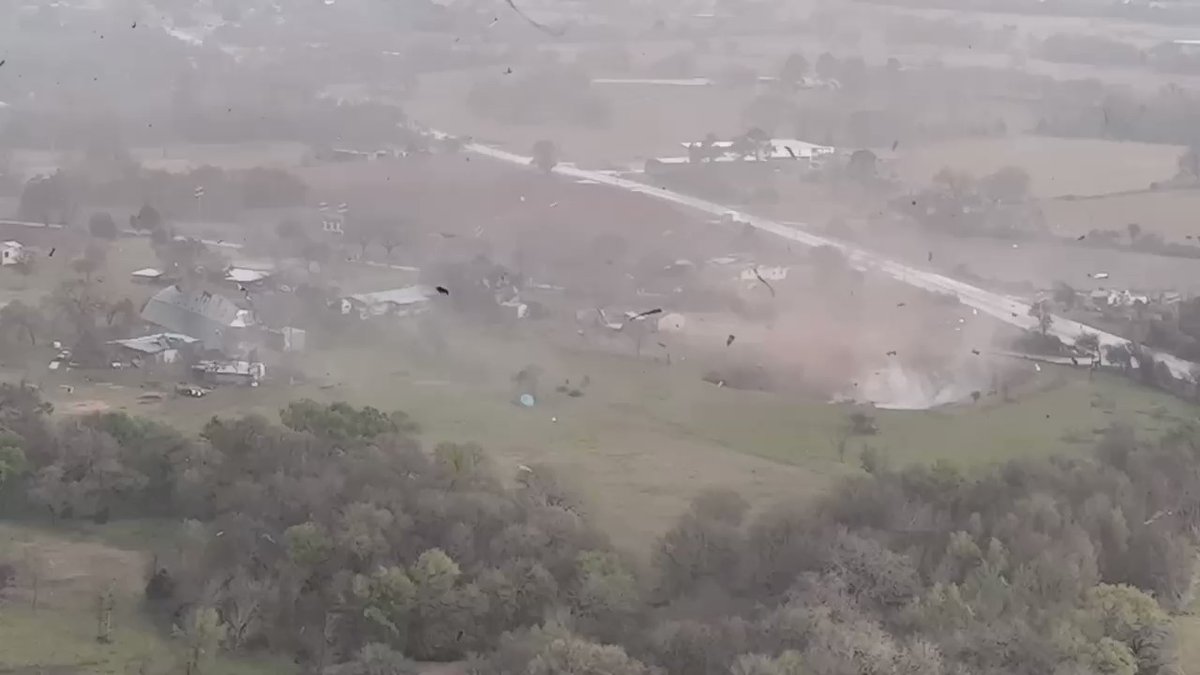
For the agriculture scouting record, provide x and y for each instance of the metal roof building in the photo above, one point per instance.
(212, 319)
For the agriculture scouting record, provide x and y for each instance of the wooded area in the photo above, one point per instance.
(336, 539)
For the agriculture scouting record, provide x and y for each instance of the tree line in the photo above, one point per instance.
(333, 537)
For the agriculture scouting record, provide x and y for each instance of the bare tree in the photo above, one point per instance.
(545, 155)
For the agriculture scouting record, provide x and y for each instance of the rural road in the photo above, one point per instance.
(1010, 310)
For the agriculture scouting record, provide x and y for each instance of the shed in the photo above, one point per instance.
(241, 373)
(162, 347)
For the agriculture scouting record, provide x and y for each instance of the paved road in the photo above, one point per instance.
(1010, 310)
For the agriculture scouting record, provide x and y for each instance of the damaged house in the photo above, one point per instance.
(395, 302)
(215, 321)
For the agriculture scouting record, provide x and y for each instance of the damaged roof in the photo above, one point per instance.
(155, 344)
(198, 314)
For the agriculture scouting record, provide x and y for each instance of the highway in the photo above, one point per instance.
(1010, 310)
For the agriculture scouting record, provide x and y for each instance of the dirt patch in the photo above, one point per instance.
(1168, 213)
(68, 572)
(1056, 166)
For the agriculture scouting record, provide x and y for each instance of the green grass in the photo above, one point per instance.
(59, 634)
(1188, 631)
(64, 641)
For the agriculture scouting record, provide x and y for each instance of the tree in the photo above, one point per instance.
(827, 66)
(1119, 355)
(788, 663)
(102, 226)
(862, 165)
(13, 464)
(105, 604)
(92, 261)
(24, 320)
(376, 659)
(290, 230)
(1040, 311)
(148, 219)
(1008, 185)
(794, 69)
(1089, 343)
(1189, 163)
(573, 655)
(545, 155)
(201, 636)
(48, 199)
(1064, 295)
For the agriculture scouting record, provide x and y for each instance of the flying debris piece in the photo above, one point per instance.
(764, 282)
(1016, 246)
(790, 151)
(652, 312)
(975, 352)
(1037, 367)
(931, 256)
(443, 290)
(975, 311)
(545, 29)
(901, 304)
(3, 61)
(729, 340)
(892, 353)
(495, 20)
(134, 25)
(895, 144)
(1081, 237)
(553, 204)
(1098, 275)
(52, 249)
(508, 70)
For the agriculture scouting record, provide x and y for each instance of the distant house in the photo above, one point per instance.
(397, 301)
(775, 149)
(217, 322)
(11, 253)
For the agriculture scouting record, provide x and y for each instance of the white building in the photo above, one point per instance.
(11, 253)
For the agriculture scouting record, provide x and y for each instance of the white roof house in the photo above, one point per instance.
(407, 300)
(776, 149)
(11, 252)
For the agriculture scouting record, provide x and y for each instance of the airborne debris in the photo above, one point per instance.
(729, 340)
(443, 290)
(651, 312)
(892, 353)
(975, 352)
(545, 29)
(764, 281)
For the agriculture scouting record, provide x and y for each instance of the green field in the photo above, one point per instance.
(59, 635)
